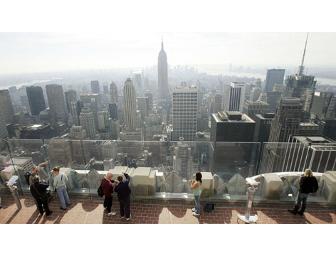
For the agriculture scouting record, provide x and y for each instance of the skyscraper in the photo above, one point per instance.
(129, 105)
(274, 76)
(95, 87)
(6, 106)
(149, 95)
(114, 93)
(87, 121)
(184, 114)
(70, 96)
(93, 101)
(182, 163)
(234, 97)
(301, 86)
(56, 102)
(138, 83)
(285, 124)
(35, 99)
(113, 111)
(163, 75)
(287, 120)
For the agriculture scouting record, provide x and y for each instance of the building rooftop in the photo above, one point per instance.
(232, 116)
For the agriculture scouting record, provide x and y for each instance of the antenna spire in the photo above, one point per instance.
(161, 42)
(301, 67)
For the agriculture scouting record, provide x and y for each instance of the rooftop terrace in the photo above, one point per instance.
(87, 211)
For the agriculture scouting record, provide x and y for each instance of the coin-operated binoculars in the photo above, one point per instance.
(252, 186)
(14, 190)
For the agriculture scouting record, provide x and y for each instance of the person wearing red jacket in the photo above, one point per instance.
(107, 185)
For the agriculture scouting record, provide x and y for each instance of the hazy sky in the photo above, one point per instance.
(39, 52)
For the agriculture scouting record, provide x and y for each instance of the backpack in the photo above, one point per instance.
(26, 176)
(100, 191)
(209, 207)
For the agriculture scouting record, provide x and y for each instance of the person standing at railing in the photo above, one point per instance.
(124, 193)
(59, 184)
(196, 187)
(39, 192)
(107, 185)
(308, 184)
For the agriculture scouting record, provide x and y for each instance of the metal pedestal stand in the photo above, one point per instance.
(13, 189)
(251, 189)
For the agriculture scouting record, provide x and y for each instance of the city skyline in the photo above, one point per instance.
(47, 52)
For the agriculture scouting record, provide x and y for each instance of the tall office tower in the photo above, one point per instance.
(113, 111)
(87, 121)
(182, 163)
(114, 93)
(93, 101)
(301, 86)
(77, 133)
(138, 83)
(105, 89)
(253, 108)
(324, 105)
(13, 92)
(285, 124)
(314, 152)
(103, 118)
(184, 114)
(149, 95)
(262, 127)
(234, 97)
(273, 99)
(114, 129)
(142, 103)
(163, 75)
(95, 87)
(287, 120)
(129, 105)
(255, 94)
(56, 102)
(35, 99)
(217, 103)
(274, 76)
(231, 127)
(6, 107)
(70, 96)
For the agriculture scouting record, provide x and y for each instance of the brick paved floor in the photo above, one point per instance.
(86, 211)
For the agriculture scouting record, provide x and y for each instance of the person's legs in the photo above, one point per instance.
(303, 204)
(297, 204)
(197, 205)
(39, 205)
(127, 206)
(108, 204)
(66, 196)
(61, 197)
(46, 207)
(122, 206)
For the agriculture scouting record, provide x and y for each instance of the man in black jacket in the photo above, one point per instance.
(124, 193)
(308, 184)
(39, 192)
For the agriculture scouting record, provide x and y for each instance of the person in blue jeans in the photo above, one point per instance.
(60, 180)
(196, 187)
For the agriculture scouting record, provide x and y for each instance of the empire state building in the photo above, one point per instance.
(163, 75)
